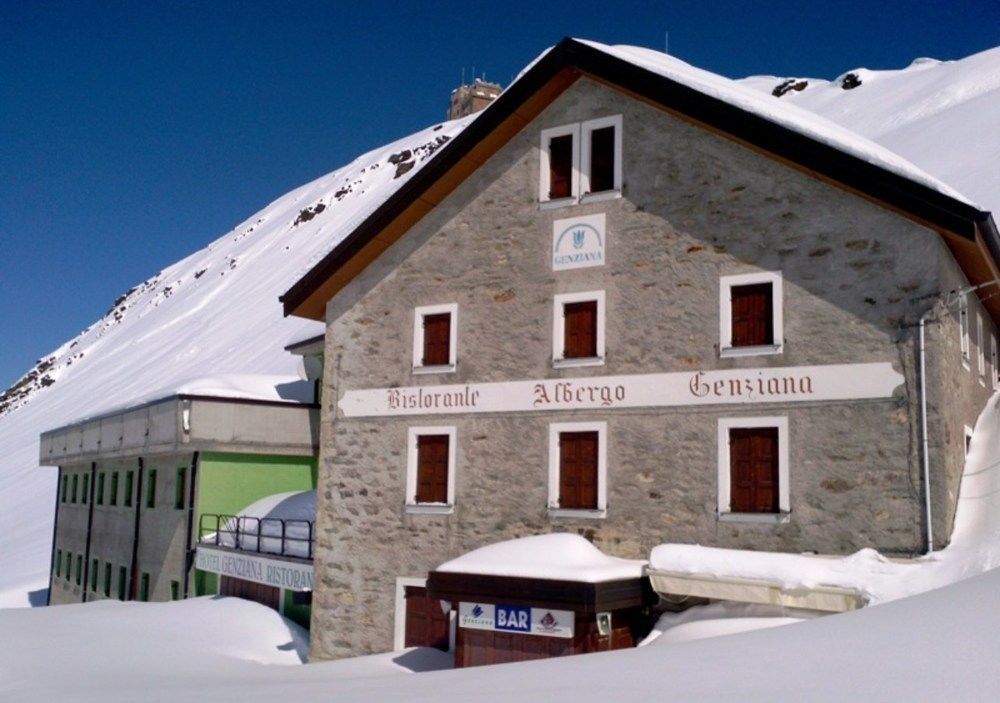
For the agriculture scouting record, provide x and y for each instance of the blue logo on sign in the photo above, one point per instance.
(477, 612)
(578, 234)
(513, 618)
(578, 237)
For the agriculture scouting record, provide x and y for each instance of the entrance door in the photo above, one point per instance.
(426, 622)
(248, 590)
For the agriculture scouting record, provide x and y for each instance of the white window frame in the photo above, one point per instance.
(963, 331)
(412, 506)
(418, 338)
(545, 170)
(726, 284)
(399, 618)
(559, 329)
(585, 131)
(555, 429)
(725, 514)
(980, 349)
(994, 371)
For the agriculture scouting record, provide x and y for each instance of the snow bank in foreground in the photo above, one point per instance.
(974, 548)
(552, 556)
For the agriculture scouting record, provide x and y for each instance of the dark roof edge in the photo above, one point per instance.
(305, 342)
(921, 201)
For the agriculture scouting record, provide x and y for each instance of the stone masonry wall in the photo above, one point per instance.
(695, 206)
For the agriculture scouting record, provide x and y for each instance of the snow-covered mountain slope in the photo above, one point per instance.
(942, 116)
(216, 312)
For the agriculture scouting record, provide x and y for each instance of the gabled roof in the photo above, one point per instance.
(834, 155)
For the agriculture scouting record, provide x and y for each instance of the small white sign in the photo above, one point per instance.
(722, 387)
(578, 242)
(256, 568)
(543, 622)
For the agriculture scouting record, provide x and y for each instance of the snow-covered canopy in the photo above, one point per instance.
(558, 556)
(276, 524)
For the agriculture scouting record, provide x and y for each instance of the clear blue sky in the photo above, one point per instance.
(133, 133)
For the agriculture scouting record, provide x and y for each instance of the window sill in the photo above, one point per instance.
(577, 513)
(757, 518)
(429, 509)
(555, 204)
(443, 368)
(601, 196)
(762, 350)
(575, 363)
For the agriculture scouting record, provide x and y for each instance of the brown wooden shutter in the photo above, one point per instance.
(602, 159)
(753, 317)
(578, 453)
(580, 330)
(561, 167)
(426, 622)
(753, 464)
(437, 339)
(432, 469)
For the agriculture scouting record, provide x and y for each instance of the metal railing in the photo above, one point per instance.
(290, 538)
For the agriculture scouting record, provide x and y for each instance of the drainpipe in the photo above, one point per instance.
(133, 581)
(923, 432)
(55, 534)
(189, 550)
(90, 529)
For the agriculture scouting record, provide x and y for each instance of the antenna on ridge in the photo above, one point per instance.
(666, 42)
(463, 76)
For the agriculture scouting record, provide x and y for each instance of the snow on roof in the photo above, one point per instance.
(558, 556)
(257, 528)
(292, 505)
(974, 547)
(783, 113)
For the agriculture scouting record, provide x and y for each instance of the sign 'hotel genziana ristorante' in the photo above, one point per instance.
(738, 386)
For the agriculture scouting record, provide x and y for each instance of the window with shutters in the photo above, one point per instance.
(435, 338)
(578, 329)
(577, 469)
(753, 469)
(750, 314)
(430, 470)
(581, 162)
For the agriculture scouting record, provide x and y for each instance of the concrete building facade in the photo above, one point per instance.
(687, 220)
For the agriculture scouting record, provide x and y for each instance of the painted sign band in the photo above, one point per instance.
(726, 387)
(516, 618)
(259, 569)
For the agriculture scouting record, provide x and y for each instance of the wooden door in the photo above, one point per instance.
(248, 590)
(427, 624)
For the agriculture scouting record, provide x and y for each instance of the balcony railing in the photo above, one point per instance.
(289, 538)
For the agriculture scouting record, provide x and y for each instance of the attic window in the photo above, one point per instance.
(435, 338)
(581, 162)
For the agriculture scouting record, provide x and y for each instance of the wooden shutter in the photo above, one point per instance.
(432, 469)
(561, 167)
(602, 159)
(426, 622)
(580, 330)
(437, 339)
(753, 316)
(578, 453)
(753, 463)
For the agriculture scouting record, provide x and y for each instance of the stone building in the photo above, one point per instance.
(470, 99)
(139, 486)
(627, 305)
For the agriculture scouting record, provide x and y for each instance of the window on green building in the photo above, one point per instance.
(179, 488)
(144, 587)
(175, 590)
(151, 489)
(79, 569)
(114, 489)
(58, 564)
(68, 566)
(122, 582)
(65, 488)
(72, 496)
(83, 493)
(100, 488)
(94, 564)
(107, 579)
(129, 487)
